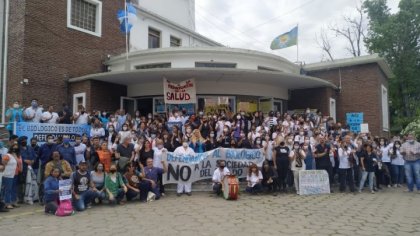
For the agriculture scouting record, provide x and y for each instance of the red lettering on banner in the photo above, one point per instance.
(177, 96)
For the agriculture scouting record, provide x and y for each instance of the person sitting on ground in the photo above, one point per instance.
(218, 176)
(62, 165)
(51, 191)
(114, 186)
(98, 178)
(269, 181)
(82, 187)
(151, 176)
(132, 178)
(254, 179)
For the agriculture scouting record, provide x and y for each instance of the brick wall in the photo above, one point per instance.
(360, 92)
(99, 95)
(47, 53)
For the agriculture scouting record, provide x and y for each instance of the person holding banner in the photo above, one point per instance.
(184, 150)
(51, 192)
(218, 176)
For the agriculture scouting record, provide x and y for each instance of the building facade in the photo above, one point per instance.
(72, 51)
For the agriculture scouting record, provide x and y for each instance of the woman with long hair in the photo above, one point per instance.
(397, 164)
(254, 179)
(10, 163)
(51, 191)
(197, 142)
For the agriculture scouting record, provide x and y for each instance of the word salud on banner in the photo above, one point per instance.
(41, 130)
(181, 93)
(200, 166)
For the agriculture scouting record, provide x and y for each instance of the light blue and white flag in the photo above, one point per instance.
(127, 18)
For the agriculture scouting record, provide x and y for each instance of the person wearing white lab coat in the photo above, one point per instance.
(184, 150)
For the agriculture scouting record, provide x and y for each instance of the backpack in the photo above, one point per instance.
(65, 208)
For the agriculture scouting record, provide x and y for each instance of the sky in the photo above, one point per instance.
(253, 24)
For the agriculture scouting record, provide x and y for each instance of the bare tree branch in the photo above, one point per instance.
(324, 43)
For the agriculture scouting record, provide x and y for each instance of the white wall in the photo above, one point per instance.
(179, 11)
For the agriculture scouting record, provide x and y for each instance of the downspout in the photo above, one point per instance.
(5, 48)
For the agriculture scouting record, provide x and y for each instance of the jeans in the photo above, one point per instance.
(130, 194)
(365, 174)
(282, 173)
(398, 174)
(412, 173)
(217, 188)
(118, 197)
(84, 198)
(296, 180)
(144, 187)
(7, 185)
(51, 207)
(256, 189)
(346, 178)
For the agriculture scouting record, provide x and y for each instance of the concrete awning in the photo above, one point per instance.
(285, 80)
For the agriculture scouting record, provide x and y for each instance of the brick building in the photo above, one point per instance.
(73, 51)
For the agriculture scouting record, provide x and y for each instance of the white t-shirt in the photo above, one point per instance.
(97, 132)
(174, 119)
(80, 152)
(50, 117)
(29, 112)
(10, 168)
(399, 160)
(218, 175)
(343, 155)
(157, 156)
(82, 119)
(385, 153)
(254, 179)
(182, 151)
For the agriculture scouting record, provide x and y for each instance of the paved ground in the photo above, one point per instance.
(391, 212)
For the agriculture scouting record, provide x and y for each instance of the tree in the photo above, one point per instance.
(353, 31)
(396, 37)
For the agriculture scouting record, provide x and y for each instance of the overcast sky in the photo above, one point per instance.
(253, 24)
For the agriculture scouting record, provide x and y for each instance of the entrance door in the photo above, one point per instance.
(145, 106)
(278, 105)
(129, 105)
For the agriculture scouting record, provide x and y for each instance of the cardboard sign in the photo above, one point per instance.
(65, 189)
(183, 92)
(364, 128)
(313, 182)
(354, 120)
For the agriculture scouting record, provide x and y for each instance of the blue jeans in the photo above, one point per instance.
(84, 199)
(397, 174)
(412, 173)
(7, 186)
(365, 174)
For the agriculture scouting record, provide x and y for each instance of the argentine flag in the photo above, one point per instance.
(127, 18)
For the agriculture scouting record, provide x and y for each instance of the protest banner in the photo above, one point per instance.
(179, 93)
(65, 189)
(41, 130)
(313, 182)
(354, 120)
(202, 165)
(364, 128)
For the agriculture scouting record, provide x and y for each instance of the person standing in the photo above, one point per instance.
(281, 164)
(14, 114)
(9, 162)
(411, 154)
(50, 116)
(397, 164)
(68, 153)
(322, 157)
(346, 161)
(184, 150)
(297, 160)
(33, 113)
(368, 162)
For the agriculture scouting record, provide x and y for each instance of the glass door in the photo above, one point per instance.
(128, 104)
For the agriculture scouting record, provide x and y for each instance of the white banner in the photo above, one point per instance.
(183, 92)
(202, 165)
(313, 182)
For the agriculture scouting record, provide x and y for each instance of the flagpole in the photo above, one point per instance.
(297, 44)
(126, 29)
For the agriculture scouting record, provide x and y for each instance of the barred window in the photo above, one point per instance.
(85, 15)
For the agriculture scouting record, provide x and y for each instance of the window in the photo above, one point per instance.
(79, 99)
(154, 38)
(215, 64)
(385, 111)
(153, 66)
(85, 16)
(175, 42)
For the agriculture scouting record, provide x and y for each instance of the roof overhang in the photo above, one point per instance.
(285, 80)
(374, 58)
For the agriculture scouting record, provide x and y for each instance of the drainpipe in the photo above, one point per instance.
(5, 48)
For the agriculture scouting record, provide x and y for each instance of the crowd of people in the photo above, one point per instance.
(122, 157)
